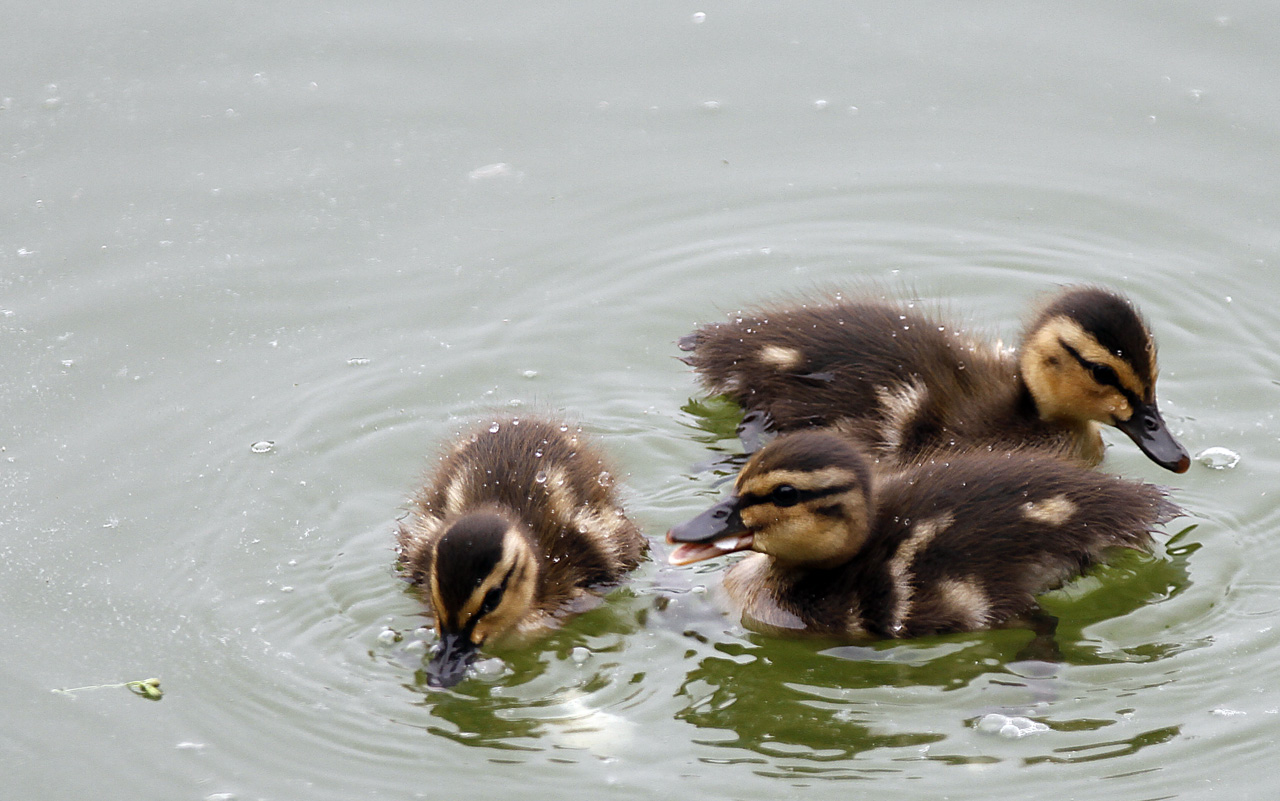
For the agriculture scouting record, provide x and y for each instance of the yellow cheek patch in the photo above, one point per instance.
(437, 605)
(1089, 348)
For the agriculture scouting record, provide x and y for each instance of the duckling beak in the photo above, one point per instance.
(1147, 429)
(719, 530)
(449, 663)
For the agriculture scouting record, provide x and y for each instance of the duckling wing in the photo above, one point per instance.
(970, 542)
(852, 363)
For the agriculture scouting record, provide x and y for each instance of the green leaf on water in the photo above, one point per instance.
(146, 688)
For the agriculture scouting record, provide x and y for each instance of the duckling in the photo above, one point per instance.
(519, 528)
(963, 542)
(904, 382)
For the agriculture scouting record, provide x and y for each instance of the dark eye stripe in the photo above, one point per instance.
(1103, 374)
(833, 511)
(500, 589)
(802, 495)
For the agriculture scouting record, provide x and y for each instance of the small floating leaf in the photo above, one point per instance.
(148, 688)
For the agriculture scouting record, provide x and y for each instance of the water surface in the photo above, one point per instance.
(351, 231)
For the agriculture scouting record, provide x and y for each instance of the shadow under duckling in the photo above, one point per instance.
(960, 542)
(518, 528)
(903, 382)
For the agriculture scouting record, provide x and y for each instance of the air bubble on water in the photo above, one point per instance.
(488, 669)
(1011, 727)
(263, 446)
(530, 374)
(498, 170)
(387, 637)
(579, 655)
(358, 361)
(493, 429)
(1218, 458)
(698, 18)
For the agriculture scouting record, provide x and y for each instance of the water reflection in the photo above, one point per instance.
(797, 707)
(1109, 749)
(783, 698)
(560, 693)
(1128, 583)
(808, 701)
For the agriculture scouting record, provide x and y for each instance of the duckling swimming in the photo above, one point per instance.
(519, 528)
(961, 542)
(904, 383)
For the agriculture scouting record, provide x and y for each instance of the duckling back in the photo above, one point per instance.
(893, 376)
(547, 478)
(903, 382)
(968, 541)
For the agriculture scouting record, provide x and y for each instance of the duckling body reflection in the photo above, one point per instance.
(960, 542)
(904, 383)
(518, 528)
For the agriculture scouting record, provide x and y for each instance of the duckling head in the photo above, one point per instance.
(804, 499)
(483, 582)
(1089, 357)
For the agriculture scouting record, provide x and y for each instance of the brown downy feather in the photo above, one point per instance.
(961, 542)
(904, 381)
(556, 489)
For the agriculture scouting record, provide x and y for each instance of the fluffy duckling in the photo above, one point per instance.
(904, 383)
(958, 543)
(518, 528)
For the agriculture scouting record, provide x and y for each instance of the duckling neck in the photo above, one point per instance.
(1085, 436)
(820, 547)
(1025, 403)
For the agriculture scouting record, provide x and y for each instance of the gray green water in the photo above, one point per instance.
(352, 229)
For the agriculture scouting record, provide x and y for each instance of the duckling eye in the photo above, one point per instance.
(785, 495)
(491, 600)
(1104, 374)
